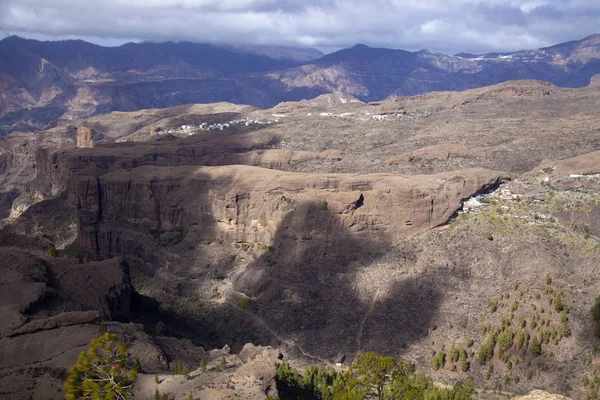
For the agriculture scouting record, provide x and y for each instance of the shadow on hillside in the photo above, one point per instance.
(315, 286)
(6, 202)
(308, 288)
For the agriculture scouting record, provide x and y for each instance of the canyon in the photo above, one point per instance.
(339, 229)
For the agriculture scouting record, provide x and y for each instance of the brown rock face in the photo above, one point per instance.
(84, 137)
(49, 308)
(249, 204)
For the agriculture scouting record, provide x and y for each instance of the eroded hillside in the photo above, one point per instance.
(417, 227)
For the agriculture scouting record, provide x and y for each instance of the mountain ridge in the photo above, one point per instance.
(43, 81)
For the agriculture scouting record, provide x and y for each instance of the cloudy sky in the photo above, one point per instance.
(447, 26)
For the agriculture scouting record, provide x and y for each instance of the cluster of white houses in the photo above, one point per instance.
(205, 126)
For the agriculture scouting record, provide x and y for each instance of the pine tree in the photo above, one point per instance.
(536, 347)
(101, 372)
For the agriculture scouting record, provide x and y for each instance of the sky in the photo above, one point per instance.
(447, 26)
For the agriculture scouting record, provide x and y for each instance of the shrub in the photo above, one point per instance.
(454, 354)
(222, 364)
(596, 316)
(180, 368)
(464, 363)
(505, 340)
(439, 360)
(529, 373)
(558, 304)
(566, 329)
(493, 305)
(536, 347)
(244, 303)
(52, 252)
(486, 351)
(137, 365)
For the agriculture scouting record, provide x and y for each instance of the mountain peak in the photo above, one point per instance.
(12, 38)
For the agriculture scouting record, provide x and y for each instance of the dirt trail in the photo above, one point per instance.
(361, 327)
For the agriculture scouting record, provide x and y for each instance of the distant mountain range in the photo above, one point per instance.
(43, 81)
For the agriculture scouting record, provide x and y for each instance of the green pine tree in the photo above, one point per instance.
(101, 372)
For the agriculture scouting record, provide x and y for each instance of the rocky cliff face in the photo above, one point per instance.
(84, 138)
(49, 307)
(246, 204)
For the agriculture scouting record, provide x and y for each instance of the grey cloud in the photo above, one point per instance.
(439, 25)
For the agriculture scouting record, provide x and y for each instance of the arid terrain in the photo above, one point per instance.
(73, 79)
(314, 229)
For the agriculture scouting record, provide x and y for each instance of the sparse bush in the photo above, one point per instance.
(464, 363)
(515, 306)
(536, 347)
(566, 332)
(52, 252)
(596, 316)
(179, 368)
(486, 351)
(489, 371)
(558, 303)
(221, 365)
(529, 374)
(493, 305)
(520, 339)
(244, 303)
(505, 340)
(439, 360)
(137, 365)
(454, 354)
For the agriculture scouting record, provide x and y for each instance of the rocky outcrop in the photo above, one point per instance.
(40, 293)
(541, 395)
(84, 138)
(249, 204)
(49, 308)
(247, 375)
